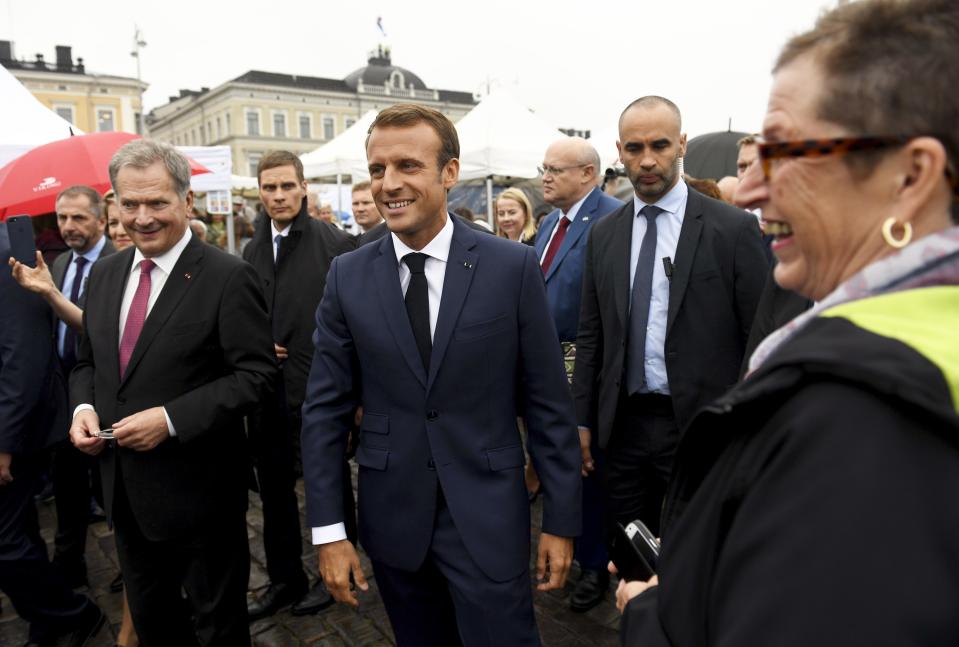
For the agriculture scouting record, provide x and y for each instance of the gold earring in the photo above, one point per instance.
(890, 239)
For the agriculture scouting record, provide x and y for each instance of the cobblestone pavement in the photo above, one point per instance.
(338, 626)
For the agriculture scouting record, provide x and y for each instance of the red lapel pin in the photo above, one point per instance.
(187, 276)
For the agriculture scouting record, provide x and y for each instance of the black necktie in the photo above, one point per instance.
(639, 305)
(418, 306)
(70, 336)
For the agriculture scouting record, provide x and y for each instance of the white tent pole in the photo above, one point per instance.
(489, 200)
(230, 238)
(339, 193)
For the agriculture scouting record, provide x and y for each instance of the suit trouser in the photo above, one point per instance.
(212, 565)
(449, 601)
(37, 592)
(590, 547)
(639, 458)
(75, 480)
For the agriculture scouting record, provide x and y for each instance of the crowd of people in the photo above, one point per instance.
(770, 386)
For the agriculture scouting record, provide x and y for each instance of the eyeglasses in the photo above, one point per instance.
(546, 169)
(770, 151)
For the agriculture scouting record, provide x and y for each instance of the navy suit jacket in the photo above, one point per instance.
(33, 392)
(564, 281)
(495, 352)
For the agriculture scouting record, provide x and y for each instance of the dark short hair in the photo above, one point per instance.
(650, 101)
(889, 68)
(91, 194)
(361, 186)
(275, 159)
(405, 115)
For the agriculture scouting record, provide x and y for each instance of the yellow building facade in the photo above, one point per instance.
(90, 101)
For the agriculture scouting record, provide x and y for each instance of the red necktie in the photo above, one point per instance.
(137, 314)
(555, 243)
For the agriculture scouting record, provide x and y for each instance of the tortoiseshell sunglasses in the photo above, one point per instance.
(769, 151)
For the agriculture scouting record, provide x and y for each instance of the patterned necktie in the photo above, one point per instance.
(555, 243)
(639, 305)
(418, 306)
(70, 336)
(137, 314)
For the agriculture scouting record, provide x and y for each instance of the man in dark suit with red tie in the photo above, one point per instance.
(176, 349)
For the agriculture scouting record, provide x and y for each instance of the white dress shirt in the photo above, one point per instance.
(437, 252)
(276, 232)
(158, 276)
(669, 223)
(569, 215)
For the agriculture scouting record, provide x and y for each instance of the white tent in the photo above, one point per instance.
(26, 122)
(343, 155)
(500, 136)
(215, 158)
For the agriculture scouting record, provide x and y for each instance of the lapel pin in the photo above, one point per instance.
(187, 276)
(467, 265)
(585, 218)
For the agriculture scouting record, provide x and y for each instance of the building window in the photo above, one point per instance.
(218, 131)
(106, 120)
(253, 122)
(279, 124)
(328, 128)
(202, 135)
(65, 111)
(349, 121)
(253, 161)
(306, 127)
(209, 129)
(396, 79)
(228, 124)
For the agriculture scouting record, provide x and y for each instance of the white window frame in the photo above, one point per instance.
(259, 121)
(332, 120)
(67, 106)
(348, 121)
(96, 117)
(286, 123)
(309, 119)
(252, 161)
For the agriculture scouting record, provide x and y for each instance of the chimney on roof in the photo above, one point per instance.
(80, 67)
(6, 50)
(64, 58)
(41, 64)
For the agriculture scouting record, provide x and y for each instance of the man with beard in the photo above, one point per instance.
(670, 288)
(291, 253)
(81, 222)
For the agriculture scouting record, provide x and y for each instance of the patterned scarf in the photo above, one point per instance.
(932, 260)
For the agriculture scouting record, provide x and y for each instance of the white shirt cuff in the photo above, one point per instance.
(329, 534)
(82, 407)
(169, 423)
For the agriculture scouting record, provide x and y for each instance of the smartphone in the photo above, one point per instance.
(634, 551)
(105, 434)
(22, 246)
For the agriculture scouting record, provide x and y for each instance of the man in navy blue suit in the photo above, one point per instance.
(443, 336)
(33, 417)
(570, 171)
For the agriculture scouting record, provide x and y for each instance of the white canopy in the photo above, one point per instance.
(215, 158)
(500, 136)
(345, 154)
(26, 123)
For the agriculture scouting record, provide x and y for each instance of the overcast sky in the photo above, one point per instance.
(577, 64)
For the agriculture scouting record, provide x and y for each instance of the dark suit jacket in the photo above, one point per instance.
(381, 230)
(494, 351)
(33, 393)
(206, 354)
(293, 288)
(718, 275)
(564, 281)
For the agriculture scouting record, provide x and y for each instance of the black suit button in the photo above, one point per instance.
(432, 414)
(430, 464)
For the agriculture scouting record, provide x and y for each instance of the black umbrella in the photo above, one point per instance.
(713, 155)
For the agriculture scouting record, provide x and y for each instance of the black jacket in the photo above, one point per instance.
(293, 288)
(815, 504)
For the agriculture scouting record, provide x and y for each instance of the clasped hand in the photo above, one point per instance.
(140, 432)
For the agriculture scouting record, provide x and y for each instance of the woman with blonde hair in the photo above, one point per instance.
(514, 216)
